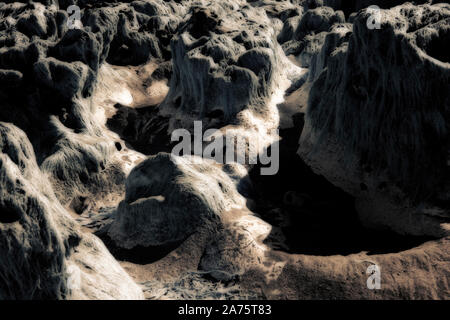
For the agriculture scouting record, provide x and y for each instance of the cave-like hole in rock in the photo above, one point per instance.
(142, 129)
(79, 204)
(9, 214)
(139, 254)
(314, 216)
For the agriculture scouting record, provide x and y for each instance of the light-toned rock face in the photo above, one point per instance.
(23, 239)
(93, 205)
(214, 54)
(227, 64)
(41, 245)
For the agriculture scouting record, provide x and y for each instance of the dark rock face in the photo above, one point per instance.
(303, 35)
(383, 98)
(318, 20)
(168, 198)
(322, 46)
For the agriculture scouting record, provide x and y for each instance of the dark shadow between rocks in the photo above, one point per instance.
(314, 216)
(436, 46)
(9, 214)
(143, 129)
(139, 254)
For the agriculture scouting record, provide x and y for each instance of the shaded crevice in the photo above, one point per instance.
(143, 129)
(436, 47)
(9, 214)
(314, 216)
(139, 254)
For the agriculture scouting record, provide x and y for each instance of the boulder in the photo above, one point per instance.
(377, 118)
(169, 197)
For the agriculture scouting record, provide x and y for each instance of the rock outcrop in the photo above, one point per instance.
(52, 73)
(378, 114)
(169, 197)
(44, 253)
(225, 61)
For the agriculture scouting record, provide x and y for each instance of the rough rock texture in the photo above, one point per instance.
(78, 105)
(403, 275)
(317, 57)
(237, 247)
(318, 20)
(168, 197)
(304, 34)
(23, 239)
(49, 89)
(379, 111)
(44, 253)
(54, 71)
(224, 61)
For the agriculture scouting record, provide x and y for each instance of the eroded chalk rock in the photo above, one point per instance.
(169, 197)
(237, 246)
(224, 60)
(50, 73)
(377, 118)
(44, 253)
